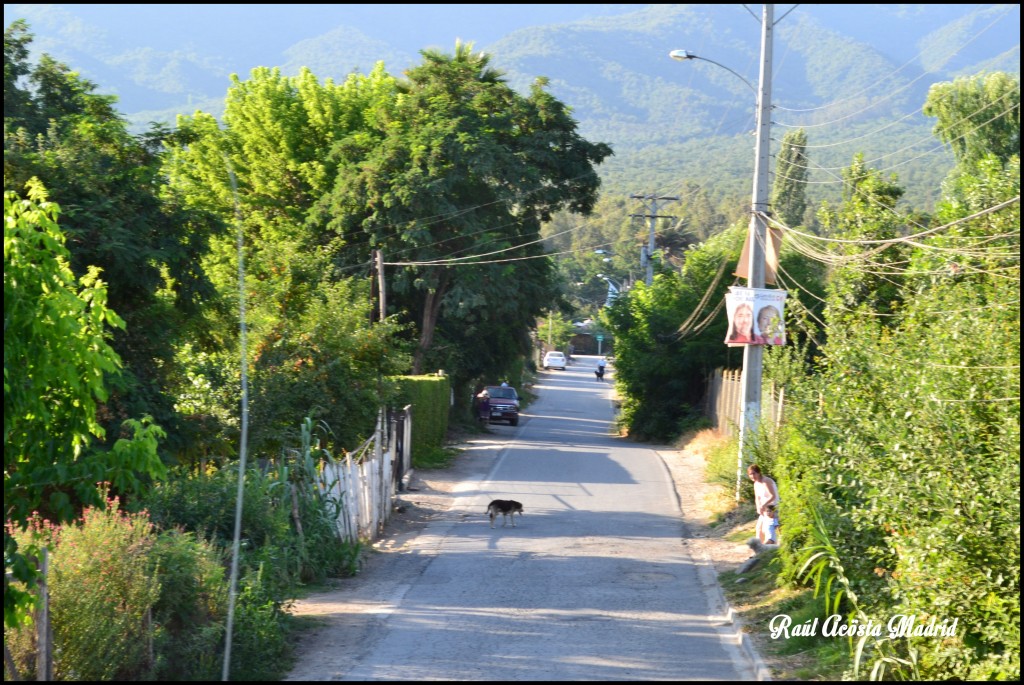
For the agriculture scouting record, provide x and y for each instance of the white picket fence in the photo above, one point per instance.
(363, 483)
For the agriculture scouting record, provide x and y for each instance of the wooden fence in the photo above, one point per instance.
(362, 485)
(723, 403)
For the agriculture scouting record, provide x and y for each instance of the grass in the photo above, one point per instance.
(756, 595)
(436, 458)
(757, 598)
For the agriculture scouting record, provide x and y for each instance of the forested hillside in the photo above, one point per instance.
(314, 239)
(852, 75)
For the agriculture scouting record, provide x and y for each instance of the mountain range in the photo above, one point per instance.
(853, 76)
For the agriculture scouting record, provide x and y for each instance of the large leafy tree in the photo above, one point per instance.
(460, 167)
(148, 246)
(977, 116)
(313, 348)
(57, 360)
(865, 280)
(669, 337)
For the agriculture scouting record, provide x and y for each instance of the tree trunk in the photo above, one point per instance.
(431, 310)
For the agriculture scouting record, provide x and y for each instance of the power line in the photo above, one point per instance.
(878, 84)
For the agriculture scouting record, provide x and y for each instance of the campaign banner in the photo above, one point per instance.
(756, 316)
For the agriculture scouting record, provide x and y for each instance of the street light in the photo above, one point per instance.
(753, 354)
(683, 55)
(613, 283)
(613, 289)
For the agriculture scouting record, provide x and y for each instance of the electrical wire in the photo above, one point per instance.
(877, 84)
(936, 148)
(684, 327)
(475, 258)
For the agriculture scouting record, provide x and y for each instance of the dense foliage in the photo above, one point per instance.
(185, 223)
(451, 162)
(907, 438)
(668, 340)
(107, 182)
(898, 461)
(312, 344)
(455, 168)
(430, 399)
(143, 595)
(669, 337)
(56, 357)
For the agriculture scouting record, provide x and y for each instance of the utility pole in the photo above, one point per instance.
(652, 215)
(378, 259)
(753, 355)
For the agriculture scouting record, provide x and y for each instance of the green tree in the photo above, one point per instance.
(977, 116)
(56, 359)
(116, 218)
(789, 193)
(703, 219)
(17, 100)
(669, 337)
(865, 285)
(313, 350)
(556, 330)
(461, 165)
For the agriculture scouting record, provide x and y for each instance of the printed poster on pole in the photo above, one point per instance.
(756, 316)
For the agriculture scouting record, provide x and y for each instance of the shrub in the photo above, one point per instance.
(430, 397)
(190, 613)
(259, 649)
(101, 592)
(205, 504)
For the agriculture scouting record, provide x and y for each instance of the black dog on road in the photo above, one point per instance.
(507, 508)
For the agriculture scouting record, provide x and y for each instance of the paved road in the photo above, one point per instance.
(593, 584)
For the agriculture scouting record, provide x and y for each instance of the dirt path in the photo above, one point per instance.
(352, 613)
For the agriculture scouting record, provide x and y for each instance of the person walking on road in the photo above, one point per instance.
(600, 368)
(483, 406)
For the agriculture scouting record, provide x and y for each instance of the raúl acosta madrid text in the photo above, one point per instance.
(900, 625)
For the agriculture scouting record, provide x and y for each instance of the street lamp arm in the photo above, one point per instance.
(683, 55)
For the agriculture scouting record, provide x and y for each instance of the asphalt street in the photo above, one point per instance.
(593, 583)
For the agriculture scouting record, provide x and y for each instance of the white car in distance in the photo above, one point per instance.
(554, 360)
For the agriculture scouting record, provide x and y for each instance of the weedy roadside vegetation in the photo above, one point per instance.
(760, 593)
(832, 563)
(140, 591)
